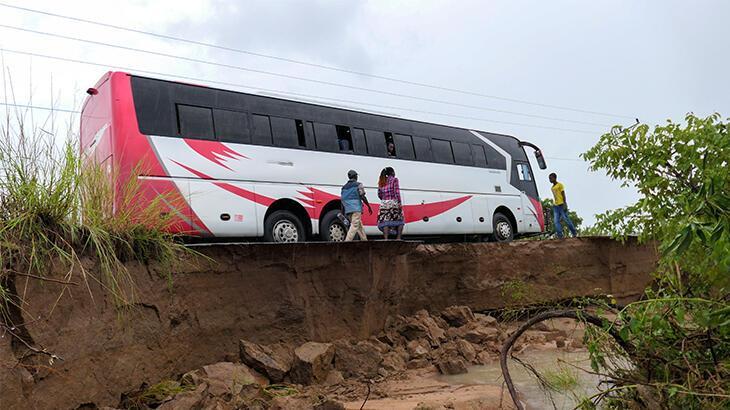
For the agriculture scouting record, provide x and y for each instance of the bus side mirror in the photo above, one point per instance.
(540, 159)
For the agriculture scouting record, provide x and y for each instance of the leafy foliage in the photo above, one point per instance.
(680, 333)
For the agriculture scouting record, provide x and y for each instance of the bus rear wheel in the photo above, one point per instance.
(283, 227)
(332, 229)
(503, 231)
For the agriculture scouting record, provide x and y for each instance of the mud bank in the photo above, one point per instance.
(273, 293)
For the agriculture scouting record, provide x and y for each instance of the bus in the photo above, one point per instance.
(247, 165)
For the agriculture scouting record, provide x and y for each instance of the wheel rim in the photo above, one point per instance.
(504, 230)
(285, 231)
(337, 232)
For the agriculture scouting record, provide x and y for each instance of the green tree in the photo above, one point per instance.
(547, 211)
(679, 335)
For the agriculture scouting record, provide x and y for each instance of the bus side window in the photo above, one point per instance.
(404, 146)
(523, 171)
(442, 151)
(344, 138)
(462, 153)
(261, 129)
(375, 143)
(389, 144)
(423, 149)
(309, 135)
(301, 136)
(195, 122)
(231, 126)
(285, 132)
(480, 158)
(359, 142)
(326, 137)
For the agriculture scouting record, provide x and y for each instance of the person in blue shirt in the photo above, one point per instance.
(352, 198)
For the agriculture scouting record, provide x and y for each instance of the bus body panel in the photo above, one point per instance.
(223, 189)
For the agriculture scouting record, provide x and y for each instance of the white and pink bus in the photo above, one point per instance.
(246, 165)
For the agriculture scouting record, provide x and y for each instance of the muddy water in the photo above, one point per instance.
(544, 361)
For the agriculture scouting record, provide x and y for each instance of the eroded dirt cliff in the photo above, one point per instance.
(273, 293)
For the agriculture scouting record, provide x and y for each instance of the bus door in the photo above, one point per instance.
(525, 182)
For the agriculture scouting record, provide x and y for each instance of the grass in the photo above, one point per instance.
(561, 380)
(56, 216)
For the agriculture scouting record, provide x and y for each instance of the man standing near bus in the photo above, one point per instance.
(352, 198)
(560, 207)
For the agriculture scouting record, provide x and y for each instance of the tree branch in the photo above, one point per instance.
(578, 315)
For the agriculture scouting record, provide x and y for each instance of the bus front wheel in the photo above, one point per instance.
(283, 227)
(332, 229)
(503, 231)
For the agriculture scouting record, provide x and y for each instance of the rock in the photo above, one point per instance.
(466, 350)
(290, 403)
(478, 333)
(418, 363)
(382, 347)
(486, 320)
(560, 342)
(360, 360)
(393, 362)
(312, 362)
(451, 366)
(264, 360)
(187, 400)
(422, 326)
(484, 357)
(334, 377)
(228, 378)
(417, 348)
(457, 316)
(330, 404)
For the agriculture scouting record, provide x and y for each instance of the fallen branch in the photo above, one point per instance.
(579, 315)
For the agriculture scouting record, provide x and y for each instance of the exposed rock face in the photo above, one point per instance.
(264, 360)
(312, 362)
(298, 292)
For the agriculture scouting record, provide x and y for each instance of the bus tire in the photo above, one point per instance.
(502, 228)
(284, 227)
(332, 229)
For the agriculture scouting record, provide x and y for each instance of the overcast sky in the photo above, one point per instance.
(648, 59)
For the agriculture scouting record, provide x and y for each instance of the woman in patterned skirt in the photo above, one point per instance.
(390, 216)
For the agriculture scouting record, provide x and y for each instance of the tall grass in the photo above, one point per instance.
(56, 211)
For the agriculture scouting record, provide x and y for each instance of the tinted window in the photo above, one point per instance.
(344, 138)
(358, 140)
(376, 143)
(301, 136)
(261, 129)
(404, 146)
(423, 148)
(442, 151)
(326, 137)
(195, 122)
(523, 172)
(285, 132)
(309, 134)
(480, 158)
(231, 126)
(462, 153)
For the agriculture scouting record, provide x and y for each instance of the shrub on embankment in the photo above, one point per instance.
(678, 337)
(56, 212)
